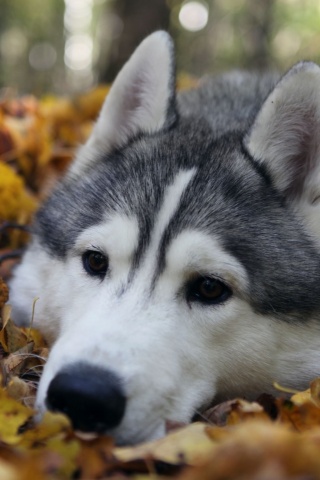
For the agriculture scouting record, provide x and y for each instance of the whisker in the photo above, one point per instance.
(30, 355)
(33, 371)
(29, 401)
(34, 375)
(203, 417)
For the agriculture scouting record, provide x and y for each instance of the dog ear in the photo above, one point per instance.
(285, 134)
(141, 99)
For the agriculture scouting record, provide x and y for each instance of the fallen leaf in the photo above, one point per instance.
(241, 411)
(21, 391)
(188, 445)
(95, 457)
(12, 338)
(302, 397)
(4, 293)
(256, 448)
(51, 425)
(300, 417)
(13, 415)
(315, 391)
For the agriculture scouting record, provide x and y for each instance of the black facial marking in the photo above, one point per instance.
(230, 197)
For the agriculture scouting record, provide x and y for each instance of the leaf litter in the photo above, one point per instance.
(274, 438)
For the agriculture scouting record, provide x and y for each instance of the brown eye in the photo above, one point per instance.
(95, 263)
(208, 290)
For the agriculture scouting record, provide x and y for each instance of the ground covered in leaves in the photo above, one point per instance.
(272, 438)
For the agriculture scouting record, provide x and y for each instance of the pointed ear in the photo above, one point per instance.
(141, 99)
(285, 136)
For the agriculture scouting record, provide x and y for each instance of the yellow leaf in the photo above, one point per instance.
(315, 391)
(51, 426)
(34, 336)
(68, 451)
(241, 410)
(189, 444)
(5, 315)
(53, 445)
(258, 450)
(12, 338)
(4, 294)
(301, 397)
(186, 81)
(14, 198)
(12, 416)
(301, 417)
(20, 390)
(15, 362)
(89, 104)
(8, 472)
(94, 456)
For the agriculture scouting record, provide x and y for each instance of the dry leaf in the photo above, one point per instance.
(37, 141)
(12, 338)
(256, 448)
(241, 411)
(21, 391)
(188, 445)
(4, 293)
(94, 457)
(13, 416)
(299, 417)
(51, 425)
(315, 391)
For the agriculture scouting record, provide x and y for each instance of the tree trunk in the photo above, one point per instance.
(259, 25)
(139, 18)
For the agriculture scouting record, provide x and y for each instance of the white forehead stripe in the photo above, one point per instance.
(118, 234)
(171, 202)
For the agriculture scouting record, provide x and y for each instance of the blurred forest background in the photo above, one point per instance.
(65, 46)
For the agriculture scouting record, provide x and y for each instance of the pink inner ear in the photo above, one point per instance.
(133, 96)
(131, 101)
(304, 154)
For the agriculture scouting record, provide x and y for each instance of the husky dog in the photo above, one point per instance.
(178, 262)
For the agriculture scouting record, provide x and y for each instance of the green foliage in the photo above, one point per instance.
(239, 34)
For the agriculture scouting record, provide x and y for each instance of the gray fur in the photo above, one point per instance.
(219, 185)
(234, 197)
(229, 102)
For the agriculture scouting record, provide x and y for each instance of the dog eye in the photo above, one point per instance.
(95, 263)
(207, 290)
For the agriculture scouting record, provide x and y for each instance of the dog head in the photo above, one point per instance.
(175, 265)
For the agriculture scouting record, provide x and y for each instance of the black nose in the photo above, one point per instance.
(91, 397)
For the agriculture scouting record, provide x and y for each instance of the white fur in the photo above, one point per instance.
(27, 286)
(165, 214)
(137, 102)
(287, 125)
(307, 206)
(286, 128)
(117, 237)
(172, 355)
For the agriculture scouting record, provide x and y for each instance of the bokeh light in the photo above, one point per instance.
(42, 56)
(194, 15)
(13, 44)
(78, 52)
